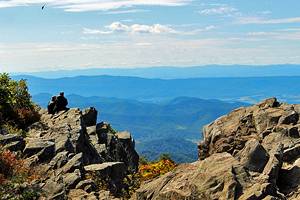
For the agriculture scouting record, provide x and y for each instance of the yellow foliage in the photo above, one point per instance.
(155, 169)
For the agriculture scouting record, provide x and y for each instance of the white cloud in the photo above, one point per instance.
(94, 31)
(92, 5)
(118, 27)
(129, 11)
(258, 20)
(261, 33)
(221, 10)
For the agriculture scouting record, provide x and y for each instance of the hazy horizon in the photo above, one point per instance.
(77, 34)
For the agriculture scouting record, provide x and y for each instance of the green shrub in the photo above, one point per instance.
(16, 107)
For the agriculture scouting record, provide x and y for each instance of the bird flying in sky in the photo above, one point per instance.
(43, 6)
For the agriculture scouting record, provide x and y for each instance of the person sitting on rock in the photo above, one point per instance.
(61, 102)
(51, 105)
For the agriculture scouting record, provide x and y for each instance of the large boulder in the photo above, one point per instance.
(250, 153)
(264, 138)
(69, 146)
(220, 176)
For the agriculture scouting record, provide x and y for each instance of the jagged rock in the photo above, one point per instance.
(75, 163)
(212, 178)
(126, 147)
(292, 153)
(112, 172)
(59, 160)
(72, 179)
(86, 185)
(79, 194)
(62, 144)
(54, 187)
(250, 153)
(291, 117)
(254, 157)
(258, 191)
(12, 142)
(45, 149)
(68, 131)
(89, 116)
(115, 170)
(274, 164)
(15, 146)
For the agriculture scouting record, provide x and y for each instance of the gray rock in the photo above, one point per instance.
(89, 116)
(111, 169)
(274, 164)
(63, 143)
(54, 187)
(74, 163)
(112, 172)
(46, 149)
(59, 160)
(87, 185)
(72, 179)
(6, 139)
(254, 157)
(75, 141)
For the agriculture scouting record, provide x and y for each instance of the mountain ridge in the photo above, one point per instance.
(169, 72)
(237, 89)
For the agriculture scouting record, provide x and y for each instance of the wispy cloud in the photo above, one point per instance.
(129, 11)
(282, 34)
(119, 27)
(258, 20)
(92, 5)
(94, 31)
(219, 10)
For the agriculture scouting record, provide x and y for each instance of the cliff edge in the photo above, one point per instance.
(251, 153)
(71, 152)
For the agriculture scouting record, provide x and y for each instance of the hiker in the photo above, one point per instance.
(52, 105)
(61, 102)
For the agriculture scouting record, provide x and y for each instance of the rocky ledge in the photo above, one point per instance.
(69, 149)
(251, 153)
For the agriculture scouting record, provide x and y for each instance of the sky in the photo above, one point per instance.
(80, 34)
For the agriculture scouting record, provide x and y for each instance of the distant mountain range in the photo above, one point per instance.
(181, 72)
(159, 111)
(253, 89)
(156, 127)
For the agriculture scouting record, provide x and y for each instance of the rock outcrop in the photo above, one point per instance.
(251, 153)
(69, 148)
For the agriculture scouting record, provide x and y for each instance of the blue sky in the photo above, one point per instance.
(70, 34)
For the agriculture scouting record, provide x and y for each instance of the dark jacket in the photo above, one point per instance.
(51, 107)
(61, 103)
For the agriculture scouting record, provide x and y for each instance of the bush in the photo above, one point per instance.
(15, 178)
(157, 168)
(16, 107)
(10, 166)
